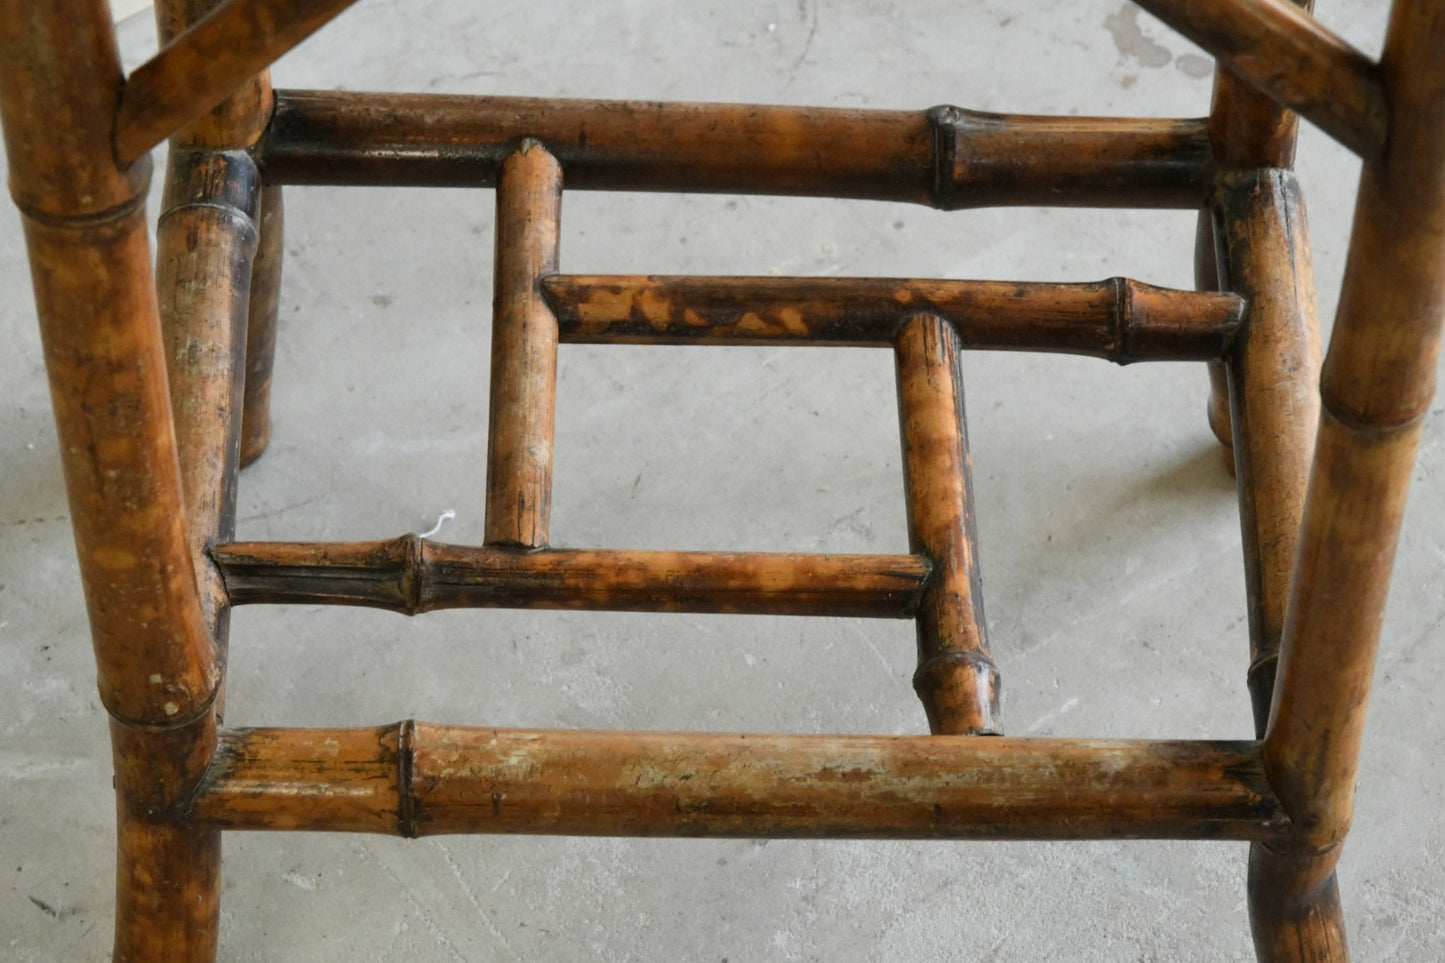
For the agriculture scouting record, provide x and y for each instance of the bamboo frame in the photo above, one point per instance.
(145, 391)
(419, 780)
(1119, 319)
(946, 157)
(1287, 54)
(412, 575)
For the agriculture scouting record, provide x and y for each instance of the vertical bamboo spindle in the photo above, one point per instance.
(956, 679)
(261, 326)
(60, 80)
(524, 350)
(1273, 373)
(1247, 129)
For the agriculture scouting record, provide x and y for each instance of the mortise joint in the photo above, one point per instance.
(405, 770)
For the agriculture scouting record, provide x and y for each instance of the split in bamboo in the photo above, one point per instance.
(228, 47)
(417, 780)
(945, 157)
(522, 413)
(1290, 56)
(411, 575)
(1117, 319)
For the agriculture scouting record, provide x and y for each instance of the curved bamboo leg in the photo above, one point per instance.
(1206, 278)
(261, 327)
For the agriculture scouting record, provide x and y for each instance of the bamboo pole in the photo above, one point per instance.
(1117, 319)
(1376, 388)
(205, 243)
(261, 325)
(1287, 54)
(524, 350)
(945, 157)
(222, 51)
(85, 228)
(411, 575)
(956, 679)
(1273, 373)
(418, 780)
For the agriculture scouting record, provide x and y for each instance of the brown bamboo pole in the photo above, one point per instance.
(418, 780)
(261, 326)
(1118, 319)
(84, 217)
(945, 157)
(205, 243)
(1376, 388)
(524, 350)
(217, 54)
(1247, 129)
(411, 575)
(956, 678)
(1273, 373)
(1287, 54)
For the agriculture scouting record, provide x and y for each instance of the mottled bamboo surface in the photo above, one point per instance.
(1108, 532)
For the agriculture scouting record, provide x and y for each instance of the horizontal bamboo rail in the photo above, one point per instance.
(411, 575)
(1288, 54)
(418, 780)
(202, 66)
(945, 157)
(1117, 319)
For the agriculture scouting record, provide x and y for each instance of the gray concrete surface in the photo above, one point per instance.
(1109, 533)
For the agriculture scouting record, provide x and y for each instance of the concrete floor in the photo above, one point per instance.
(1108, 527)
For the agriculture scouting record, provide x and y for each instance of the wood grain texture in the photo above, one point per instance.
(206, 63)
(956, 679)
(946, 157)
(261, 321)
(1287, 54)
(417, 780)
(1118, 319)
(522, 412)
(413, 575)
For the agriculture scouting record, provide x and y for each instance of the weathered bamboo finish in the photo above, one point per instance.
(418, 780)
(1119, 319)
(946, 157)
(1287, 54)
(1376, 388)
(956, 678)
(412, 575)
(205, 243)
(524, 350)
(1273, 373)
(215, 55)
(261, 326)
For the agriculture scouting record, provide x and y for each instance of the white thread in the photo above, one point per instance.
(443, 517)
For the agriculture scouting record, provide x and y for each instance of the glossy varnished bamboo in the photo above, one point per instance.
(1118, 319)
(522, 414)
(1282, 50)
(956, 678)
(946, 157)
(214, 56)
(416, 780)
(412, 575)
(1376, 387)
